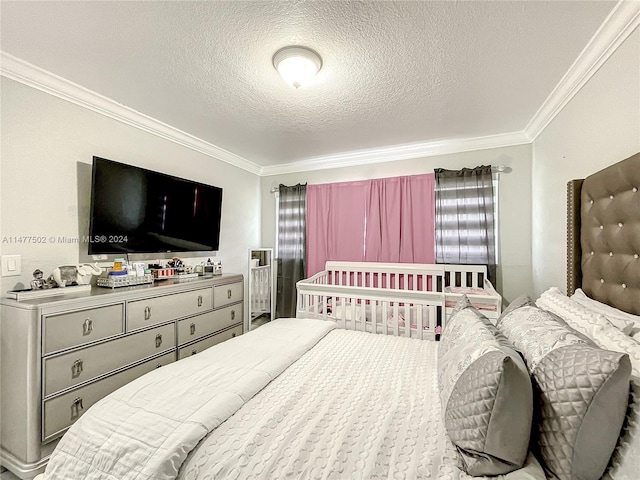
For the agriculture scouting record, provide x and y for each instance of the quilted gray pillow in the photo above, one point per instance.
(486, 395)
(581, 393)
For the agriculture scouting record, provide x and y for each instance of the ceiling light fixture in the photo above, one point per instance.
(297, 65)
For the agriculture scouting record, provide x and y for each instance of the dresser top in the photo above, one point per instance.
(110, 295)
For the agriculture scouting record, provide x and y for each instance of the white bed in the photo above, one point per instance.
(380, 297)
(378, 418)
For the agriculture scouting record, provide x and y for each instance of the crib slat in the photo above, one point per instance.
(407, 320)
(395, 317)
(374, 316)
(419, 321)
(352, 313)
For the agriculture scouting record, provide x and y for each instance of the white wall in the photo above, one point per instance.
(598, 127)
(47, 150)
(514, 271)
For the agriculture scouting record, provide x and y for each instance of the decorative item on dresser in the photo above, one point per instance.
(61, 355)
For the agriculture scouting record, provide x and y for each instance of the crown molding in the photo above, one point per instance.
(619, 24)
(17, 69)
(398, 152)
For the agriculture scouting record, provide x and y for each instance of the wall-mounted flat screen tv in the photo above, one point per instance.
(134, 210)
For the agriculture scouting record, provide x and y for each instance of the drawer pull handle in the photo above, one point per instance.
(76, 407)
(199, 300)
(147, 313)
(158, 340)
(192, 328)
(229, 293)
(76, 368)
(194, 351)
(233, 314)
(158, 365)
(87, 326)
(233, 335)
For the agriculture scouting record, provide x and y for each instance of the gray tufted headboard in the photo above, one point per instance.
(603, 235)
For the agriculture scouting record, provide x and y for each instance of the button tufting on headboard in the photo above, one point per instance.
(610, 236)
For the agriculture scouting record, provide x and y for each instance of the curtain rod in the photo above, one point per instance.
(494, 169)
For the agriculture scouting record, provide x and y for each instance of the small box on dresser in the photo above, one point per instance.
(62, 354)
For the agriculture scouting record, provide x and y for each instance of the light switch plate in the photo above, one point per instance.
(11, 265)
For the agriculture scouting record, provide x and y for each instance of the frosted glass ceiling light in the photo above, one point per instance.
(297, 65)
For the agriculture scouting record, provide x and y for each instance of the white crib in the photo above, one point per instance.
(412, 300)
(260, 301)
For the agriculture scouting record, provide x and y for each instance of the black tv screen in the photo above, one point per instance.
(134, 210)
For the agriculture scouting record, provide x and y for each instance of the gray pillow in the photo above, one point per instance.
(521, 301)
(486, 395)
(461, 305)
(581, 393)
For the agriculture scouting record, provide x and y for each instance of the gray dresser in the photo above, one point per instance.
(60, 355)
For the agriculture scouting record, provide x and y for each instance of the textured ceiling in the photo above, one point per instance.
(393, 72)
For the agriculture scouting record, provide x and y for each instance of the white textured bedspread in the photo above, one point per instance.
(146, 429)
(356, 406)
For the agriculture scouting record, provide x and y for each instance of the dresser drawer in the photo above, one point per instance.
(60, 412)
(208, 342)
(227, 294)
(143, 313)
(64, 371)
(190, 329)
(83, 326)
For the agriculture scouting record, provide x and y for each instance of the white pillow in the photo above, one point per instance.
(619, 319)
(576, 315)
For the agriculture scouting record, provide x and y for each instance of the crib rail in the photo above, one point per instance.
(394, 276)
(394, 298)
(465, 275)
(402, 313)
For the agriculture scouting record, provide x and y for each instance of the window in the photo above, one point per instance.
(466, 217)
